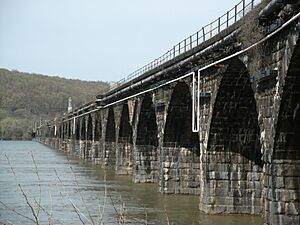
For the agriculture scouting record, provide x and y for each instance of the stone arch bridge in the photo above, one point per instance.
(217, 116)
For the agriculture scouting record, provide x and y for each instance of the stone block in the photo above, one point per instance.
(242, 209)
(285, 220)
(285, 195)
(166, 177)
(253, 176)
(278, 182)
(166, 164)
(292, 182)
(218, 209)
(221, 192)
(222, 184)
(292, 208)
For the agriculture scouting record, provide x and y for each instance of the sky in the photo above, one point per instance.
(96, 39)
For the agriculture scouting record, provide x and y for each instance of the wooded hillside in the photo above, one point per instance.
(26, 98)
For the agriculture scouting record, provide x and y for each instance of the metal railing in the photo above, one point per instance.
(204, 34)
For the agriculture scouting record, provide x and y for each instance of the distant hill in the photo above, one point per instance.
(25, 98)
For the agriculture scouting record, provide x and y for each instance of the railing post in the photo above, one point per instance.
(174, 51)
(206, 30)
(227, 22)
(235, 13)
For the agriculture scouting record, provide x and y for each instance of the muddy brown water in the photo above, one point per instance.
(70, 190)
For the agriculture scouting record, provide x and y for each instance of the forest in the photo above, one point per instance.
(28, 98)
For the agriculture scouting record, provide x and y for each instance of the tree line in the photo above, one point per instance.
(26, 98)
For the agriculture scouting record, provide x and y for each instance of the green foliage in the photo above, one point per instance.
(26, 98)
(12, 129)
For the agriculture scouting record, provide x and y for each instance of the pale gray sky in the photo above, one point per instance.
(96, 39)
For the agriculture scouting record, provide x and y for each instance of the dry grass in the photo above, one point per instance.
(36, 207)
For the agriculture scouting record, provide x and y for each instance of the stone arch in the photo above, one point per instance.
(65, 130)
(110, 134)
(77, 131)
(233, 154)
(287, 138)
(52, 131)
(145, 149)
(284, 169)
(110, 139)
(97, 136)
(89, 128)
(234, 126)
(69, 130)
(178, 128)
(61, 133)
(89, 136)
(125, 144)
(83, 129)
(77, 136)
(63, 136)
(45, 131)
(125, 132)
(147, 126)
(98, 128)
(180, 145)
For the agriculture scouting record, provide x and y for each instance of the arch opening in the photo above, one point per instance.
(77, 131)
(287, 139)
(147, 126)
(83, 130)
(234, 151)
(285, 165)
(234, 126)
(124, 149)
(61, 133)
(69, 130)
(110, 139)
(97, 136)
(110, 135)
(178, 129)
(180, 145)
(125, 133)
(146, 154)
(98, 128)
(89, 128)
(77, 137)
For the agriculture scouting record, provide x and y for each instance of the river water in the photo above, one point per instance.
(65, 190)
